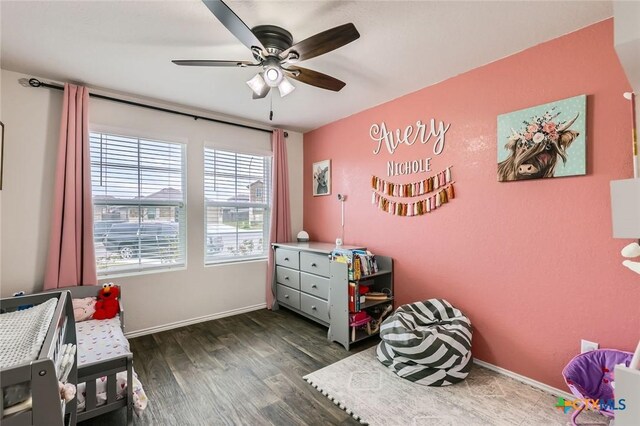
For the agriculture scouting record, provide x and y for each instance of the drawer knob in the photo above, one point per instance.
(286, 259)
(314, 286)
(286, 296)
(287, 277)
(313, 265)
(313, 308)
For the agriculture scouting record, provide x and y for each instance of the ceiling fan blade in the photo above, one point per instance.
(315, 78)
(323, 42)
(208, 63)
(234, 24)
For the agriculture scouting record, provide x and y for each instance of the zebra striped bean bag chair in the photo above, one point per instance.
(427, 342)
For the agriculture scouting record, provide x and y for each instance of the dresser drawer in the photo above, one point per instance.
(315, 263)
(315, 307)
(288, 296)
(288, 277)
(288, 258)
(314, 285)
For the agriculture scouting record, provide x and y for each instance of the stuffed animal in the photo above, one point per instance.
(83, 309)
(67, 391)
(107, 305)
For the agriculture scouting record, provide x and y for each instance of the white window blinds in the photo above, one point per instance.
(237, 190)
(139, 204)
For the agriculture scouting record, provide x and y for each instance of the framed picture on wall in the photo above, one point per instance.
(322, 178)
(544, 141)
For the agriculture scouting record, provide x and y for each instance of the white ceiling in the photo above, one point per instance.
(404, 46)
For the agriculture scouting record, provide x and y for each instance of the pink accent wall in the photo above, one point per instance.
(532, 263)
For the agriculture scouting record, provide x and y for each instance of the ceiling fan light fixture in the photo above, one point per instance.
(273, 75)
(285, 87)
(273, 50)
(258, 84)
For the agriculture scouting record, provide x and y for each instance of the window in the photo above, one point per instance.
(237, 191)
(139, 207)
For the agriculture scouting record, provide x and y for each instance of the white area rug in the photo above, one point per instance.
(374, 395)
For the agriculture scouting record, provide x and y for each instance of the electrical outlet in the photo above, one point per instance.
(586, 346)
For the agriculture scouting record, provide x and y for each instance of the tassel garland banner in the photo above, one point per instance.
(414, 189)
(417, 208)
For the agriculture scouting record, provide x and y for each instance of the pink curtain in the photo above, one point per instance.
(280, 228)
(71, 260)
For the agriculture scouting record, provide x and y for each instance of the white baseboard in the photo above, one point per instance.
(183, 323)
(525, 380)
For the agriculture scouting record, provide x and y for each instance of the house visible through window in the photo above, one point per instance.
(139, 203)
(237, 189)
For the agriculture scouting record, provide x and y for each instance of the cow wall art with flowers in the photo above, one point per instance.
(544, 141)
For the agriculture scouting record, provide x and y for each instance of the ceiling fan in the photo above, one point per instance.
(274, 52)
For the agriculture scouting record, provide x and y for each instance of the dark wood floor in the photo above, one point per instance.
(241, 370)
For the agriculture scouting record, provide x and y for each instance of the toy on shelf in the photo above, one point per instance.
(385, 294)
(358, 320)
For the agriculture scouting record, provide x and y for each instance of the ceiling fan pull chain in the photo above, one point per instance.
(271, 106)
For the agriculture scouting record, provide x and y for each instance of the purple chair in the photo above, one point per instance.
(589, 376)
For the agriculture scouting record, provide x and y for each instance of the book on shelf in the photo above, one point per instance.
(360, 263)
(346, 256)
(367, 262)
(354, 297)
(357, 296)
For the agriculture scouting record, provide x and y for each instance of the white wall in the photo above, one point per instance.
(152, 300)
(1, 119)
(626, 15)
(294, 154)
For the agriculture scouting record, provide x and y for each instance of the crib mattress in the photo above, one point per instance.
(100, 340)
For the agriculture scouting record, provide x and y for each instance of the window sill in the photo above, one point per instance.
(124, 274)
(231, 261)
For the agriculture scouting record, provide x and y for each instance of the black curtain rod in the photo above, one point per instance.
(34, 82)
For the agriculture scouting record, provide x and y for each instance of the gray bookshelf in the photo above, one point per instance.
(339, 330)
(308, 283)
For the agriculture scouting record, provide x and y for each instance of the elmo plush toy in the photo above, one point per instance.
(107, 305)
